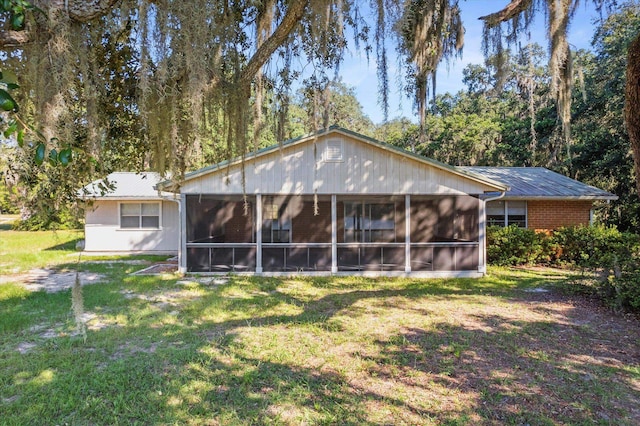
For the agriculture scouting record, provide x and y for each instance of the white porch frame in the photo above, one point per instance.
(407, 244)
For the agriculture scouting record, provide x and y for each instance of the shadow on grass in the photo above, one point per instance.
(254, 366)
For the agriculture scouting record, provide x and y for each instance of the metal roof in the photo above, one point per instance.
(541, 183)
(169, 185)
(126, 185)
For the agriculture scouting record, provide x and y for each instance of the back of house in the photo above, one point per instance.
(333, 202)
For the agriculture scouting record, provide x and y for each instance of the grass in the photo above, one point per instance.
(21, 251)
(239, 350)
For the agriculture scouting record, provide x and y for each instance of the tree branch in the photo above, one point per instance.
(83, 11)
(78, 10)
(275, 40)
(511, 10)
(9, 39)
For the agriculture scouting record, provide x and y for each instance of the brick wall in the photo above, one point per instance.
(546, 215)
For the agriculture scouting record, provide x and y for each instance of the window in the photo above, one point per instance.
(505, 213)
(140, 215)
(369, 223)
(276, 228)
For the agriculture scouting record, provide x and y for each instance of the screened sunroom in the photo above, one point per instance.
(335, 202)
(365, 233)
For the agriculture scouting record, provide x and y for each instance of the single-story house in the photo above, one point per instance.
(125, 213)
(333, 202)
(540, 199)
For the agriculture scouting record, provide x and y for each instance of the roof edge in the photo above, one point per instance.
(172, 186)
(611, 197)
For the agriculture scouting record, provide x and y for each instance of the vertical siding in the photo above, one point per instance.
(366, 169)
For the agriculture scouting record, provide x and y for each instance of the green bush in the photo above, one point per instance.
(513, 246)
(614, 254)
(51, 219)
(596, 247)
(621, 292)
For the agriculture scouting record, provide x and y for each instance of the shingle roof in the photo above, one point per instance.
(127, 185)
(541, 183)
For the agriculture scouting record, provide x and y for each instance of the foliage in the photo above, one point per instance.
(127, 91)
(602, 150)
(596, 247)
(623, 292)
(511, 245)
(611, 255)
(341, 108)
(616, 254)
(429, 32)
(507, 117)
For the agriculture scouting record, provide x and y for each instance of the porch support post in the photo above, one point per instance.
(482, 236)
(407, 233)
(258, 233)
(334, 234)
(182, 234)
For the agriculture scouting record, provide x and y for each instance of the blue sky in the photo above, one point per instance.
(357, 73)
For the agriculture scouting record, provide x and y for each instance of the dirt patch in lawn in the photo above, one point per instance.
(50, 280)
(532, 355)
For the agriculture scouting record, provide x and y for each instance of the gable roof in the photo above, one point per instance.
(126, 185)
(465, 174)
(541, 183)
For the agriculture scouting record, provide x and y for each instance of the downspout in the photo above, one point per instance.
(180, 254)
(484, 228)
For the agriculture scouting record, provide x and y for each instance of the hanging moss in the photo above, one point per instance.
(429, 32)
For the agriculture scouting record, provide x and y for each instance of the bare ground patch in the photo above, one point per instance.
(50, 280)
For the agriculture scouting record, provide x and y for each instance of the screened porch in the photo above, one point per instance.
(336, 233)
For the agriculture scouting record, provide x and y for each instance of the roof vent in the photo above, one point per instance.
(333, 151)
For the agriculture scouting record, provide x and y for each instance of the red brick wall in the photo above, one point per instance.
(547, 215)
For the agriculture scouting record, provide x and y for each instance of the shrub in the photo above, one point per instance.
(599, 248)
(596, 247)
(621, 292)
(605, 249)
(512, 246)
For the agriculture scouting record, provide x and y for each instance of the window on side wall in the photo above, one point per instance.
(140, 215)
(505, 213)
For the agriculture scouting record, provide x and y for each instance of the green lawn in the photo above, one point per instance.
(21, 250)
(236, 350)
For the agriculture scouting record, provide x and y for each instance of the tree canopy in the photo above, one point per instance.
(170, 85)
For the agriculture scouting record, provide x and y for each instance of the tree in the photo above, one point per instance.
(519, 13)
(215, 75)
(603, 147)
(338, 105)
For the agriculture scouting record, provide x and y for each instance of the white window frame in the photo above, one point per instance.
(140, 227)
(276, 216)
(506, 213)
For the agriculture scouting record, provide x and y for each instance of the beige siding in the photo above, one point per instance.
(365, 169)
(102, 231)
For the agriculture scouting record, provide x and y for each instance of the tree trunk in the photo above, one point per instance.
(632, 105)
